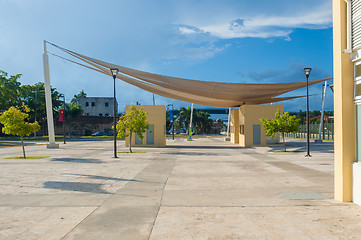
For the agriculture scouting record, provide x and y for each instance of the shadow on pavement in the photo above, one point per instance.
(325, 147)
(196, 153)
(77, 160)
(102, 177)
(204, 147)
(76, 186)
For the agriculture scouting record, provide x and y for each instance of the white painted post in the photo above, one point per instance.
(49, 106)
(190, 125)
(229, 120)
(322, 113)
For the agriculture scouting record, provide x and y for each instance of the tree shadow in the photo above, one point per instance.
(325, 147)
(196, 153)
(204, 147)
(103, 177)
(77, 160)
(76, 186)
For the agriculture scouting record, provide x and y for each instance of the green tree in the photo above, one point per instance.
(72, 111)
(201, 121)
(14, 121)
(34, 97)
(77, 96)
(9, 91)
(133, 121)
(281, 124)
(183, 118)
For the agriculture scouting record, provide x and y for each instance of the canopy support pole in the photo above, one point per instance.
(49, 106)
(322, 113)
(229, 120)
(190, 125)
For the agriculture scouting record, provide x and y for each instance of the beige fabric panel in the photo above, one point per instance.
(225, 91)
(207, 93)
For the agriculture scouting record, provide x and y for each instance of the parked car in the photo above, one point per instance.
(101, 134)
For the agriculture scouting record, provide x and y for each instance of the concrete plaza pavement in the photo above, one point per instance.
(204, 189)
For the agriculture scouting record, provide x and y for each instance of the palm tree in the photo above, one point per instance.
(183, 118)
(77, 96)
(201, 122)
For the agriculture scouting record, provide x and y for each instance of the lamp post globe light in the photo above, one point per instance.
(307, 72)
(114, 72)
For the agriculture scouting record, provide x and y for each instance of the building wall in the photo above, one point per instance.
(344, 109)
(249, 116)
(234, 124)
(85, 125)
(157, 117)
(97, 106)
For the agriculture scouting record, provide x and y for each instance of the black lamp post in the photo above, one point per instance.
(114, 72)
(307, 72)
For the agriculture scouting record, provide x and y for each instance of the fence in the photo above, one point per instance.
(326, 134)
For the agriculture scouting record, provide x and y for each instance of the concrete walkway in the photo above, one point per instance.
(204, 189)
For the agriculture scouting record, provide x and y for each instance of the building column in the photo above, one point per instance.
(344, 111)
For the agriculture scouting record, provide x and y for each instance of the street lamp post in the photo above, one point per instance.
(114, 72)
(307, 72)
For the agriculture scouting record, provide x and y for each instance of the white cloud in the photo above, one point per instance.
(264, 25)
(186, 30)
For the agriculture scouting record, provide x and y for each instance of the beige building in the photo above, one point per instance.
(246, 128)
(347, 99)
(156, 134)
(234, 126)
(98, 106)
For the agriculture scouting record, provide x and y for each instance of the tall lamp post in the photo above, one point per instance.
(114, 72)
(307, 72)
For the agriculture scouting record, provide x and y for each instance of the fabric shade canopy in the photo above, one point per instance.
(216, 94)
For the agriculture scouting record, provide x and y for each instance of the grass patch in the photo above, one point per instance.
(132, 152)
(29, 157)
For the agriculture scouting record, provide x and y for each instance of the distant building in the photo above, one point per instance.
(97, 106)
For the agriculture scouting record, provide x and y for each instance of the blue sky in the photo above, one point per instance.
(227, 41)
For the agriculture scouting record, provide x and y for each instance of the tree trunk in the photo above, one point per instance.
(130, 143)
(22, 145)
(284, 143)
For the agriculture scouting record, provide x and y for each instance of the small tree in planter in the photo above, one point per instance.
(281, 124)
(134, 121)
(14, 121)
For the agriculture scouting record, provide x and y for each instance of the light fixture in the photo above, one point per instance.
(307, 72)
(114, 72)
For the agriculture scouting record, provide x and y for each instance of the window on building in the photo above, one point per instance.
(358, 90)
(358, 80)
(358, 132)
(87, 104)
(93, 104)
(107, 104)
(241, 129)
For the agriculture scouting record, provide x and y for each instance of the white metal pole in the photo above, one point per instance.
(49, 106)
(229, 120)
(190, 125)
(322, 113)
